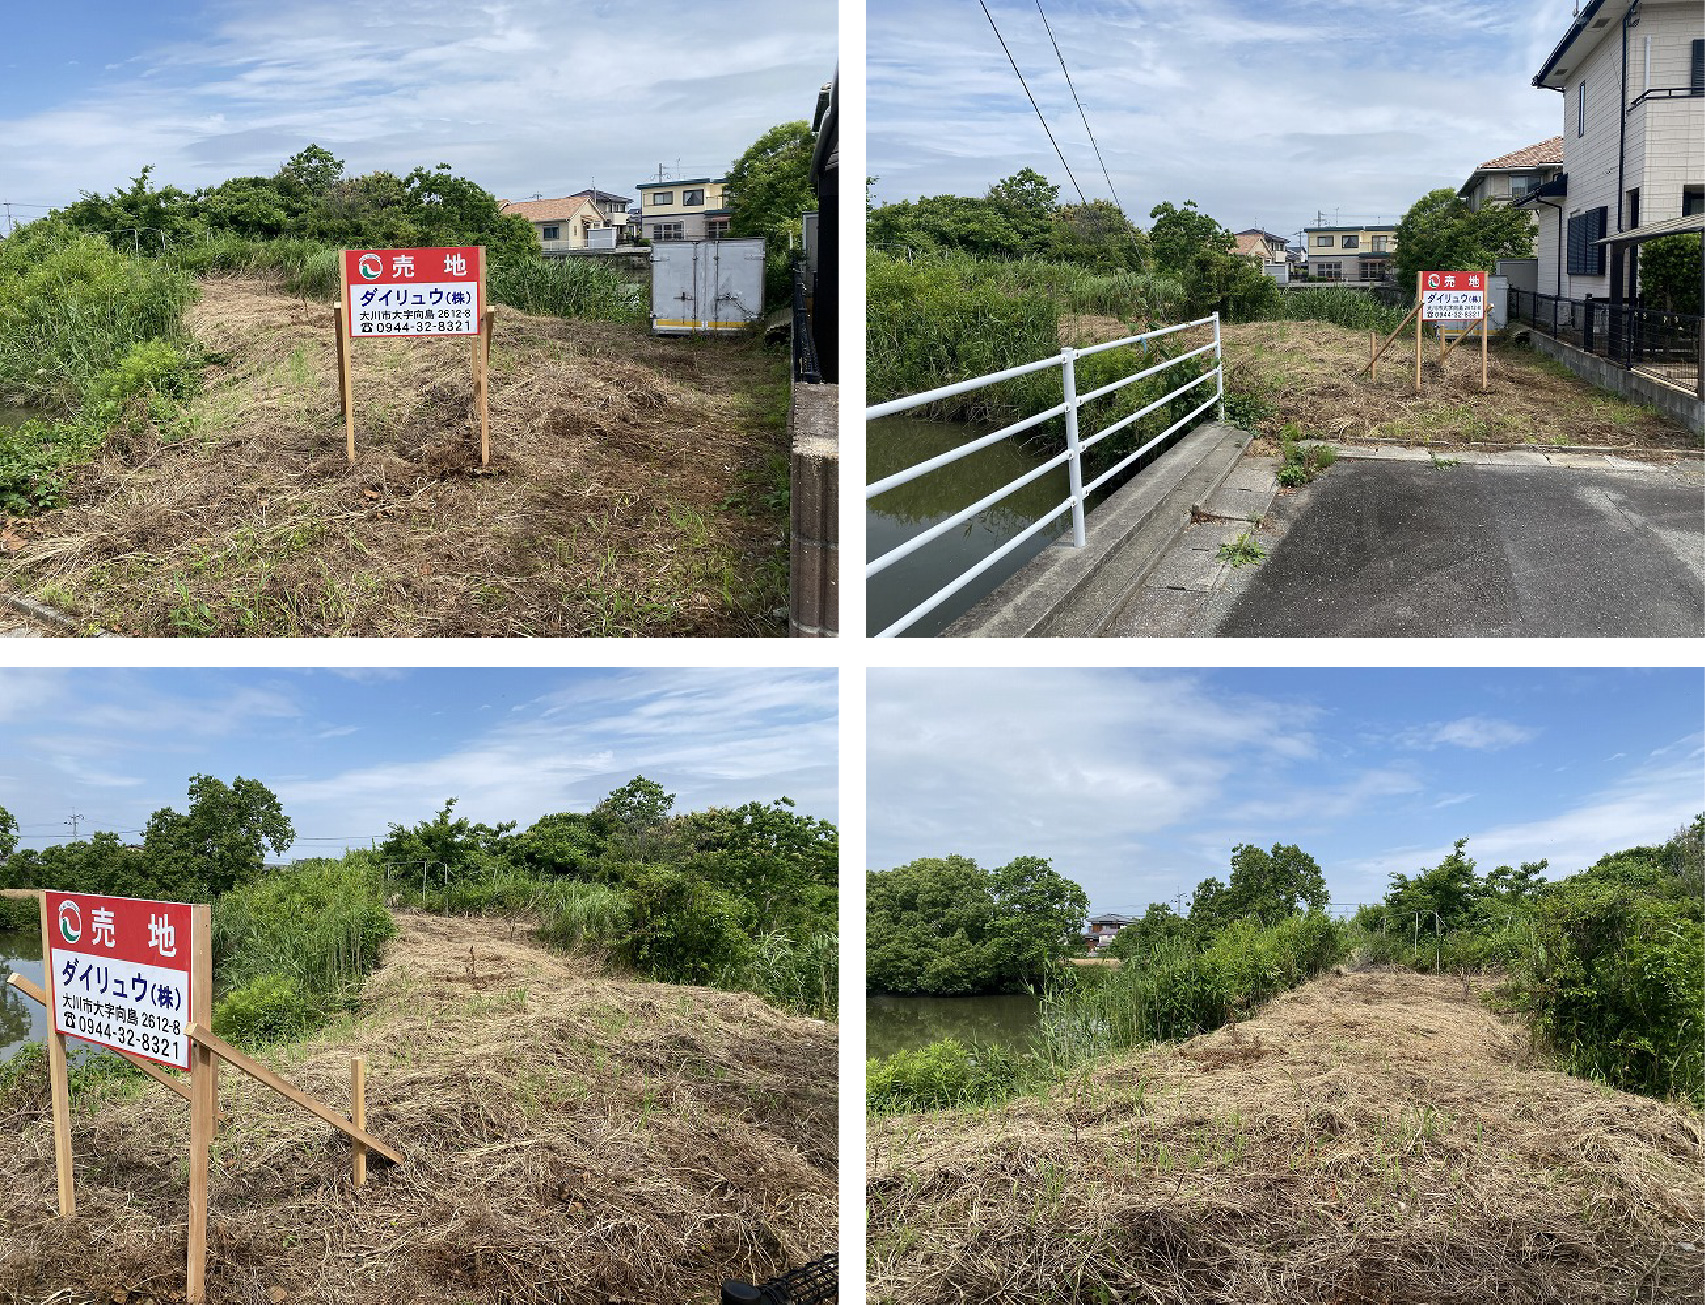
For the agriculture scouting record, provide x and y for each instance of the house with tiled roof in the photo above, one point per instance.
(566, 224)
(1263, 245)
(1513, 176)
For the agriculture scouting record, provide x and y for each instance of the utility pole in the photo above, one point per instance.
(75, 817)
(9, 227)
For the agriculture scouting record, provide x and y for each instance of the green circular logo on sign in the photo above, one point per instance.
(70, 922)
(370, 266)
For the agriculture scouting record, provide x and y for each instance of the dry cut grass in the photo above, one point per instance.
(1369, 1137)
(1313, 374)
(632, 489)
(570, 1137)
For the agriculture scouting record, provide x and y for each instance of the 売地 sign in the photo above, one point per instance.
(118, 974)
(413, 292)
(1447, 296)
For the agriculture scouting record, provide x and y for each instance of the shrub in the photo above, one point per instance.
(946, 1073)
(801, 975)
(684, 931)
(267, 1009)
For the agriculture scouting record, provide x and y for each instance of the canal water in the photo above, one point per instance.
(893, 444)
(894, 1022)
(20, 1019)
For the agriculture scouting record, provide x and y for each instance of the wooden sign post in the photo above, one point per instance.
(122, 974)
(411, 293)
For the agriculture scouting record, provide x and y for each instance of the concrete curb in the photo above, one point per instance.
(35, 611)
(1067, 592)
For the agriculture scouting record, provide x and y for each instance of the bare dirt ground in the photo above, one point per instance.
(637, 487)
(1369, 1137)
(1312, 375)
(570, 1137)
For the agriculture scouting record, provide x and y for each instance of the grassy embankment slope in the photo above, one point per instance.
(570, 1137)
(1311, 375)
(637, 487)
(1375, 1136)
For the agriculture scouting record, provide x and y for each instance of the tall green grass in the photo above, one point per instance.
(72, 308)
(293, 946)
(1178, 990)
(1346, 306)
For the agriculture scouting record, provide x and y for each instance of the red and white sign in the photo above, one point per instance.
(413, 292)
(1453, 295)
(118, 972)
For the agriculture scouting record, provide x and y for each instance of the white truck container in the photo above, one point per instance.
(706, 287)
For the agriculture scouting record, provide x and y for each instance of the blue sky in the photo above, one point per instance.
(1138, 784)
(350, 751)
(1263, 111)
(519, 95)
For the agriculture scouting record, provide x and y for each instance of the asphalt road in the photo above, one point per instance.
(1385, 548)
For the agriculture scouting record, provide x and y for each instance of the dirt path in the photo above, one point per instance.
(570, 1137)
(1377, 1137)
(632, 490)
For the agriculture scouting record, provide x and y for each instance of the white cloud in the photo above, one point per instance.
(1483, 734)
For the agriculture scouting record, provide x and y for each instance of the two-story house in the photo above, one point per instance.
(1511, 178)
(1632, 77)
(694, 209)
(1263, 245)
(1350, 253)
(565, 224)
(1104, 929)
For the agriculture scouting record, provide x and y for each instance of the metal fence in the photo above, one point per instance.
(805, 365)
(1666, 346)
(1071, 457)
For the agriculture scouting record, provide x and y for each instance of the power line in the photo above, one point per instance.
(1080, 113)
(1033, 104)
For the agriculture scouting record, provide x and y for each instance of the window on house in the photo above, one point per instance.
(716, 229)
(1696, 82)
(1586, 255)
(550, 233)
(1323, 242)
(662, 197)
(1634, 207)
(692, 198)
(1379, 244)
(1326, 271)
(666, 231)
(1522, 187)
(1692, 200)
(1581, 109)
(1352, 242)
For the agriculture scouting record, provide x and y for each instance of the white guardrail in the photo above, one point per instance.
(1071, 456)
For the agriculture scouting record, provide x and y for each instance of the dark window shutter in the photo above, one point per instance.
(1601, 229)
(1697, 82)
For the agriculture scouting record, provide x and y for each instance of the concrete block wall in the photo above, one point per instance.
(814, 603)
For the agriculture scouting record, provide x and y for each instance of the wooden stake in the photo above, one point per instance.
(343, 378)
(482, 356)
(249, 1066)
(358, 1115)
(59, 1083)
(203, 1100)
(1485, 330)
(1417, 333)
(1386, 343)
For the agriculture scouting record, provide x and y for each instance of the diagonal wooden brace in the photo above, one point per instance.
(249, 1066)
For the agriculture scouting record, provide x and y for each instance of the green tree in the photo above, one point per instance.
(1181, 236)
(1451, 889)
(769, 188)
(1669, 272)
(450, 846)
(782, 865)
(1274, 883)
(140, 218)
(8, 834)
(311, 172)
(1156, 929)
(945, 925)
(1036, 921)
(1097, 235)
(1028, 201)
(1192, 246)
(945, 222)
(1441, 232)
(219, 841)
